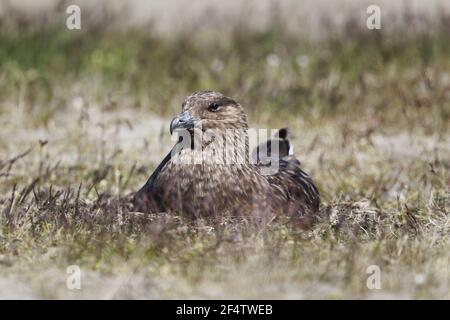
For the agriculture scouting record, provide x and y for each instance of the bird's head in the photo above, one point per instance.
(209, 110)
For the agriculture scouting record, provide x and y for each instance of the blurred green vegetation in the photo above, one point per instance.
(351, 71)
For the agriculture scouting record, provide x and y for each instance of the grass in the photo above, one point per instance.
(84, 119)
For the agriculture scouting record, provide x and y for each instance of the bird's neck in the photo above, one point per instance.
(218, 147)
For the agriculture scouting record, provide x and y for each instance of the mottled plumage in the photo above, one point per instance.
(201, 183)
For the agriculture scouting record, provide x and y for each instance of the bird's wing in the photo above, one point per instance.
(297, 187)
(143, 198)
(151, 181)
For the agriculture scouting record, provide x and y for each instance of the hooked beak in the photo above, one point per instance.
(184, 121)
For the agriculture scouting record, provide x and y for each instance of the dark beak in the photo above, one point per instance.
(183, 121)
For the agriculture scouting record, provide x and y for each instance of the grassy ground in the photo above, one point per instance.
(84, 119)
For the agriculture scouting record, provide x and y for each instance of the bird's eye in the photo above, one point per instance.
(213, 106)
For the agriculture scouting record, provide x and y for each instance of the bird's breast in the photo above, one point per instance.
(209, 186)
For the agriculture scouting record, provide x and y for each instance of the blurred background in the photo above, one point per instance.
(110, 88)
(368, 110)
(295, 56)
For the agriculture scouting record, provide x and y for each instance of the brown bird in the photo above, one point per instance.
(210, 171)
